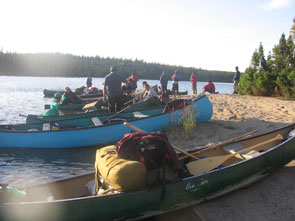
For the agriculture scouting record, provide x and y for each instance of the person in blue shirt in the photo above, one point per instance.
(175, 78)
(89, 81)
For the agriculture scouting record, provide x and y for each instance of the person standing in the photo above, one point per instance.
(112, 88)
(164, 82)
(89, 81)
(236, 80)
(133, 80)
(262, 65)
(175, 78)
(194, 79)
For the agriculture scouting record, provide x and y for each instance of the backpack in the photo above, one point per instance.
(155, 152)
(152, 149)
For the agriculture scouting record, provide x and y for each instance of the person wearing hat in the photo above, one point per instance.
(53, 111)
(112, 88)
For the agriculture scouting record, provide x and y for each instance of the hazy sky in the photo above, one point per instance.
(207, 34)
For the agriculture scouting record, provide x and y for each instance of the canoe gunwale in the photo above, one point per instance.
(272, 149)
(255, 171)
(90, 127)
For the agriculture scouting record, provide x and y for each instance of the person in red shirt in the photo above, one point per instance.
(133, 80)
(194, 79)
(210, 88)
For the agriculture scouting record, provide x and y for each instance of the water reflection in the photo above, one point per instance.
(22, 167)
(24, 95)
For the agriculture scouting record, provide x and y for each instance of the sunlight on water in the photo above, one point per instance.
(24, 95)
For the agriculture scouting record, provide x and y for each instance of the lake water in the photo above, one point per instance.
(24, 95)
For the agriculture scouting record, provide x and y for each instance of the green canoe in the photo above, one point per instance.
(50, 93)
(149, 103)
(70, 199)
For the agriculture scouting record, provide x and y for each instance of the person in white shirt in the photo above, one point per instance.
(149, 92)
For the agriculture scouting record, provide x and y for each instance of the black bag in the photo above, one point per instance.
(153, 149)
(155, 152)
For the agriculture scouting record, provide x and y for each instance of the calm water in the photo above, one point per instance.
(24, 95)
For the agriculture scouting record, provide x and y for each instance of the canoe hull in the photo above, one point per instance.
(50, 93)
(149, 103)
(98, 135)
(190, 191)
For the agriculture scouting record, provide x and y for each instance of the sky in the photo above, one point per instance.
(206, 34)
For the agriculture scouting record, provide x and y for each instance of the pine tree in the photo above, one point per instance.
(260, 50)
(292, 31)
(255, 59)
(280, 54)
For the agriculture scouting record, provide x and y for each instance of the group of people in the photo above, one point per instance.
(116, 94)
(210, 87)
(66, 98)
(113, 90)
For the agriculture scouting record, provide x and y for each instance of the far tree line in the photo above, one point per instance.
(66, 65)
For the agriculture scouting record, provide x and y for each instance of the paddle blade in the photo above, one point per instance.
(210, 163)
(206, 164)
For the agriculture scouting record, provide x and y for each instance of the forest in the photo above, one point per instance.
(66, 65)
(275, 75)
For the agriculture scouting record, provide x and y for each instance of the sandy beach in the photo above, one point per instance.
(272, 198)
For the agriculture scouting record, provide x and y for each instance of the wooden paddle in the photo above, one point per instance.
(220, 144)
(176, 148)
(133, 99)
(210, 163)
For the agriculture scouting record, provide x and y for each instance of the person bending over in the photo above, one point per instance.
(149, 92)
(112, 88)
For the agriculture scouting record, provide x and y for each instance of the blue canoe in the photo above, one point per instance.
(47, 135)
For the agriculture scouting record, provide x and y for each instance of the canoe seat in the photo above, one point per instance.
(96, 121)
(46, 126)
(233, 148)
(139, 114)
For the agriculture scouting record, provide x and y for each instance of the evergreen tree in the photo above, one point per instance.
(255, 59)
(260, 50)
(279, 76)
(292, 31)
(280, 54)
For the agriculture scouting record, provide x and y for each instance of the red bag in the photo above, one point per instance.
(153, 149)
